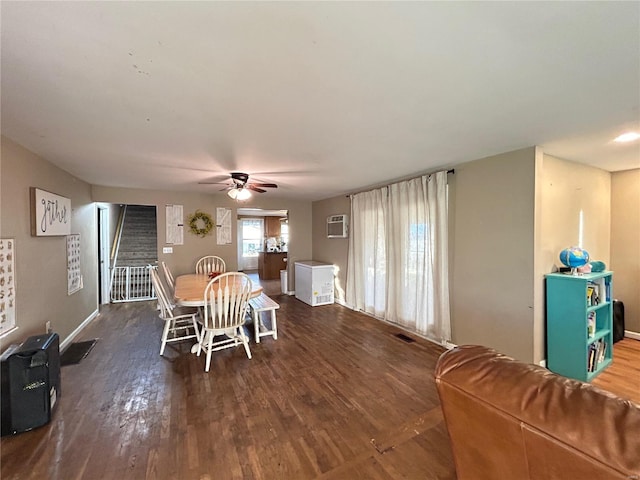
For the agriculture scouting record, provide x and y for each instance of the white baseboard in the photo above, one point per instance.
(543, 363)
(65, 343)
(630, 334)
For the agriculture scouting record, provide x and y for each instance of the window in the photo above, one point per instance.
(251, 237)
(416, 250)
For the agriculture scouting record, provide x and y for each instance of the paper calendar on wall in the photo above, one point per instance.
(7, 285)
(74, 276)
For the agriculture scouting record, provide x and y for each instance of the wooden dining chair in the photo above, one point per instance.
(221, 325)
(211, 263)
(179, 323)
(169, 279)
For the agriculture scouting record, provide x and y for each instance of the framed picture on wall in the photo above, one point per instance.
(50, 214)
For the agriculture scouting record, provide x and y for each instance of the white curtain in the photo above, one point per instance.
(397, 268)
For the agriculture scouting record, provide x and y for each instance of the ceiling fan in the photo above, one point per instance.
(240, 188)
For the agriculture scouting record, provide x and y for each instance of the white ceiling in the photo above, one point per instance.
(322, 98)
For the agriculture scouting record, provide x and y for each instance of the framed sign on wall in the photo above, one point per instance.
(50, 214)
(223, 226)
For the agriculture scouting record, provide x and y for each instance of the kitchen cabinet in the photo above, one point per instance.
(272, 227)
(270, 264)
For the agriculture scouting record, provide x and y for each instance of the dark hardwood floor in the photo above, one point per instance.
(269, 287)
(337, 396)
(623, 375)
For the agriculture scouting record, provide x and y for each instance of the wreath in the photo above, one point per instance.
(200, 223)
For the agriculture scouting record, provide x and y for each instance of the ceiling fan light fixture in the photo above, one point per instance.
(239, 194)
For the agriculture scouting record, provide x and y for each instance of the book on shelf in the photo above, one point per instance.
(596, 355)
(591, 357)
(603, 350)
(593, 297)
(591, 324)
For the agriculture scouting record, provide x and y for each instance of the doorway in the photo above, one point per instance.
(251, 231)
(255, 227)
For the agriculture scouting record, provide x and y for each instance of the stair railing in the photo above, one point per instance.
(114, 254)
(118, 235)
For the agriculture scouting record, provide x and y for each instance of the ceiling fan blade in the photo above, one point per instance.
(265, 185)
(216, 178)
(252, 186)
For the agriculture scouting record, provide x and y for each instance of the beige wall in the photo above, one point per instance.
(331, 250)
(625, 243)
(566, 189)
(569, 188)
(184, 257)
(492, 296)
(41, 262)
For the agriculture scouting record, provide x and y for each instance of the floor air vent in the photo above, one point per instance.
(405, 338)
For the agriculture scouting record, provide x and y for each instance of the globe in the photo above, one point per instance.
(574, 257)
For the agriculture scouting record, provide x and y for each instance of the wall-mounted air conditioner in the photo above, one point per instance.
(337, 226)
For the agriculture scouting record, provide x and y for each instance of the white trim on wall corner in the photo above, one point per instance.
(65, 343)
(630, 334)
(4, 334)
(543, 363)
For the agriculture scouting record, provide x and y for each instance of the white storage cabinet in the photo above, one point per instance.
(314, 282)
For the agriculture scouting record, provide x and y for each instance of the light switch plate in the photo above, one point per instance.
(167, 249)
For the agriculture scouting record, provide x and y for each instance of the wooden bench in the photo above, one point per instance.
(263, 304)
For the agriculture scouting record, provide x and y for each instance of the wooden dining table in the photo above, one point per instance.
(189, 291)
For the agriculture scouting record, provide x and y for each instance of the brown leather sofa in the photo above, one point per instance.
(513, 421)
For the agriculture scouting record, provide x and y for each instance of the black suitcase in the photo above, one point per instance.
(618, 321)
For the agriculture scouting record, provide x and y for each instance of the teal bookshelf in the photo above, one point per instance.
(579, 324)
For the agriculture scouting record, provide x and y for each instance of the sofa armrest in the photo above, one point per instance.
(489, 400)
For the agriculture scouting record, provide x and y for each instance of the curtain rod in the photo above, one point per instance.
(451, 171)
